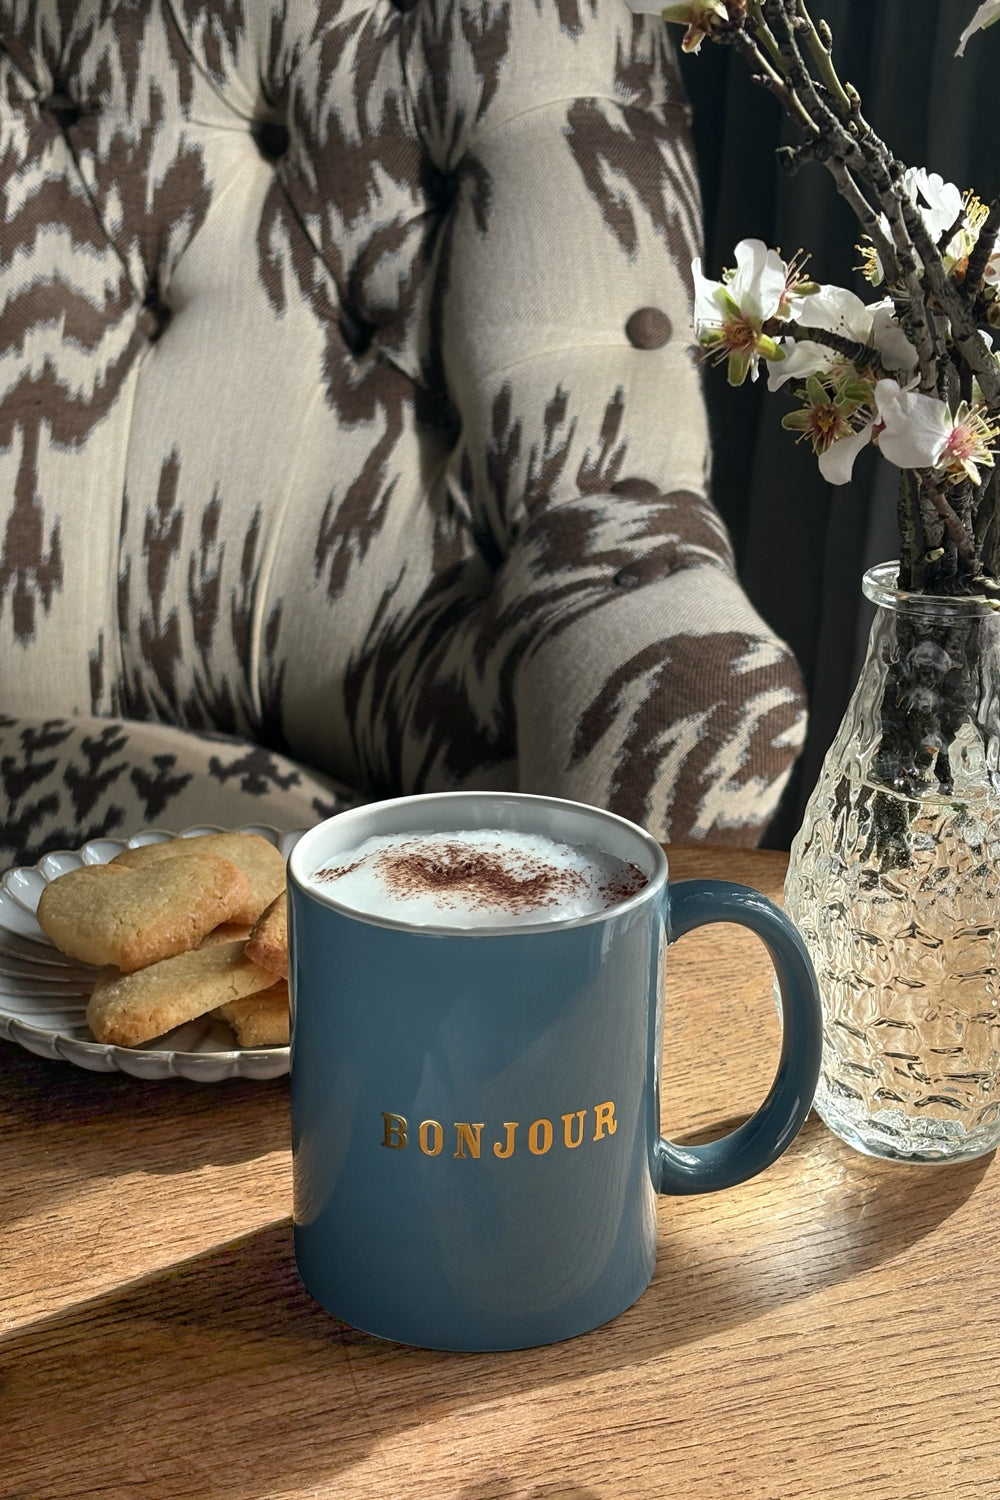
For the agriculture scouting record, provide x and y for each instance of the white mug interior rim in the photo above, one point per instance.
(562, 821)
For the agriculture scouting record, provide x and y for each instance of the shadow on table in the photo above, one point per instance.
(109, 1123)
(202, 1364)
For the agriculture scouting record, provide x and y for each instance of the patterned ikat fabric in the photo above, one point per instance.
(351, 433)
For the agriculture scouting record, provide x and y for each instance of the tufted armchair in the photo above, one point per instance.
(351, 436)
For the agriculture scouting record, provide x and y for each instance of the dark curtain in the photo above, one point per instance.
(801, 544)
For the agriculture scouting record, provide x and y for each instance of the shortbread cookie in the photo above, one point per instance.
(259, 1020)
(129, 1009)
(227, 932)
(104, 914)
(267, 944)
(261, 863)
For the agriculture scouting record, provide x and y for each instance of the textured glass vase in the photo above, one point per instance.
(894, 883)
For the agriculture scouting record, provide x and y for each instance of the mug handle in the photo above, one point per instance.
(760, 1140)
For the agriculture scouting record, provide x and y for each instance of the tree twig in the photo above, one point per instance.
(982, 250)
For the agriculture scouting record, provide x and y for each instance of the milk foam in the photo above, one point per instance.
(478, 878)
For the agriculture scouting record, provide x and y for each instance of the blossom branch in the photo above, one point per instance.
(964, 542)
(912, 535)
(862, 356)
(766, 74)
(866, 216)
(819, 41)
(918, 324)
(910, 234)
(763, 31)
(987, 531)
(982, 250)
(858, 365)
(856, 147)
(965, 333)
(782, 20)
(850, 149)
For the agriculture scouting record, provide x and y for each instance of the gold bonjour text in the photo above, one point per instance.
(468, 1143)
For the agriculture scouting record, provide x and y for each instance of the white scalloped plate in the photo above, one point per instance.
(43, 994)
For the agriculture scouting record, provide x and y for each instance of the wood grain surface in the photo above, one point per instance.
(826, 1330)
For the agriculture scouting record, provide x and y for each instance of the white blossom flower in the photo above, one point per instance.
(942, 206)
(914, 426)
(836, 462)
(835, 416)
(800, 358)
(840, 413)
(987, 13)
(701, 17)
(911, 429)
(970, 445)
(894, 348)
(836, 310)
(729, 315)
(919, 431)
(855, 369)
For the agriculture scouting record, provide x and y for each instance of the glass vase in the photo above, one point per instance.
(894, 883)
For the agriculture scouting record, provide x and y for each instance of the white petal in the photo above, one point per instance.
(837, 462)
(943, 196)
(758, 283)
(911, 450)
(916, 426)
(942, 204)
(879, 269)
(908, 182)
(887, 396)
(840, 311)
(802, 358)
(707, 313)
(987, 13)
(837, 310)
(895, 350)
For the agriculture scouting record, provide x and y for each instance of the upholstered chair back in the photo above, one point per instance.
(349, 408)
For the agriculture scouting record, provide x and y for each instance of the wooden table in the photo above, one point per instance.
(829, 1329)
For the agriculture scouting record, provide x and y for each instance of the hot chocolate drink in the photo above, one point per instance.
(480, 878)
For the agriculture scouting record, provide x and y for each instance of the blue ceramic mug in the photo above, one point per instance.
(475, 1111)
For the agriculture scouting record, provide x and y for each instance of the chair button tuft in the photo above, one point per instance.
(154, 316)
(357, 332)
(271, 138)
(440, 188)
(65, 109)
(648, 328)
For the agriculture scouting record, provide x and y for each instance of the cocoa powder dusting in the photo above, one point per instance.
(628, 883)
(484, 878)
(334, 872)
(479, 876)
